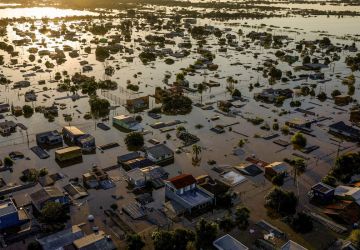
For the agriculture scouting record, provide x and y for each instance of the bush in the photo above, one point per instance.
(278, 179)
(28, 111)
(329, 180)
(298, 140)
(301, 223)
(8, 162)
(134, 141)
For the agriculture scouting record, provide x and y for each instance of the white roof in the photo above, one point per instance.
(227, 242)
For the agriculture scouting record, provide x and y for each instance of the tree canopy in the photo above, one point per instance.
(281, 201)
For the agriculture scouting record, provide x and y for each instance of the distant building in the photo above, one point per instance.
(94, 241)
(48, 194)
(355, 115)
(341, 129)
(126, 122)
(137, 104)
(49, 138)
(75, 238)
(97, 178)
(7, 127)
(276, 168)
(4, 107)
(227, 242)
(160, 154)
(299, 123)
(183, 190)
(342, 100)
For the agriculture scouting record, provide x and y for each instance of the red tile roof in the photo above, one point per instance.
(182, 180)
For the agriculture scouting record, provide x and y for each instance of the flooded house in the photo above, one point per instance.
(10, 215)
(137, 104)
(7, 127)
(21, 84)
(49, 138)
(342, 100)
(48, 194)
(160, 154)
(126, 122)
(277, 168)
(4, 107)
(346, 131)
(183, 190)
(97, 178)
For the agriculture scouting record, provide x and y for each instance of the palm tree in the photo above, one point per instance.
(196, 150)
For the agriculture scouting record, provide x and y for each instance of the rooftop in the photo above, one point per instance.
(227, 242)
(7, 207)
(44, 194)
(195, 197)
(182, 180)
(322, 187)
(73, 130)
(291, 245)
(94, 241)
(159, 150)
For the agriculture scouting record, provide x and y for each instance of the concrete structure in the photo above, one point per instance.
(183, 190)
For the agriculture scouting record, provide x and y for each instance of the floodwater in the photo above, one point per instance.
(41, 12)
(238, 64)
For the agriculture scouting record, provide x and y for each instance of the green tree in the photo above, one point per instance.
(196, 151)
(134, 242)
(53, 213)
(242, 216)
(181, 238)
(8, 162)
(298, 140)
(34, 245)
(226, 224)
(134, 141)
(163, 240)
(99, 107)
(329, 180)
(301, 223)
(281, 201)
(278, 179)
(28, 111)
(206, 233)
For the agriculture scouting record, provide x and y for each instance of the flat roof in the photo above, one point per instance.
(67, 149)
(89, 240)
(195, 197)
(73, 130)
(227, 242)
(291, 245)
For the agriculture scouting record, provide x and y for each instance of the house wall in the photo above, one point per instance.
(9, 220)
